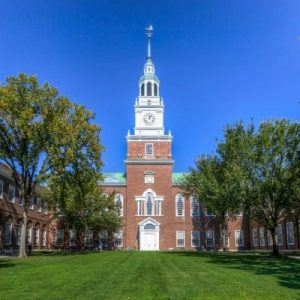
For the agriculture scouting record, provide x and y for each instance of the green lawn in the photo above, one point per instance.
(150, 275)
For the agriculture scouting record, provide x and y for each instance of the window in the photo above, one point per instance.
(149, 87)
(36, 234)
(18, 234)
(290, 233)
(180, 239)
(45, 208)
(119, 204)
(210, 238)
(262, 236)
(31, 203)
(157, 208)
(179, 205)
(155, 89)
(195, 238)
(7, 233)
(239, 238)
(44, 237)
(149, 149)
(195, 211)
(149, 204)
(118, 239)
(39, 204)
(59, 237)
(72, 237)
(269, 237)
(88, 237)
(21, 201)
(226, 239)
(143, 89)
(1, 189)
(149, 179)
(279, 235)
(208, 212)
(28, 235)
(103, 239)
(139, 208)
(254, 237)
(149, 227)
(11, 193)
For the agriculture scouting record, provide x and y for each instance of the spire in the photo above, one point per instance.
(149, 32)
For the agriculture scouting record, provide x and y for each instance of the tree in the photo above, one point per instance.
(260, 170)
(38, 133)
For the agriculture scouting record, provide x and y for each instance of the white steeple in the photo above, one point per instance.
(149, 108)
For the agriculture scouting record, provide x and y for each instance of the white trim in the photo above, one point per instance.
(197, 238)
(291, 234)
(10, 189)
(180, 235)
(177, 198)
(239, 238)
(208, 231)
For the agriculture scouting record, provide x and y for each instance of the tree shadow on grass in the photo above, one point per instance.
(286, 270)
(5, 263)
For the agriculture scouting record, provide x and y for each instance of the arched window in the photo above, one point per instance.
(149, 87)
(143, 89)
(179, 205)
(149, 226)
(149, 204)
(155, 89)
(119, 204)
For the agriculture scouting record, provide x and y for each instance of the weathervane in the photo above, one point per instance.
(149, 32)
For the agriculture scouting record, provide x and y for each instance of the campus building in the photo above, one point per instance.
(156, 215)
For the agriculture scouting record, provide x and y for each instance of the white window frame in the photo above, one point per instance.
(44, 237)
(88, 237)
(239, 238)
(194, 200)
(7, 233)
(269, 238)
(31, 203)
(120, 210)
(290, 234)
(180, 235)
(254, 237)
(226, 242)
(279, 235)
(29, 235)
(118, 236)
(261, 235)
(149, 179)
(72, 237)
(103, 236)
(213, 238)
(183, 205)
(197, 232)
(18, 228)
(45, 208)
(209, 214)
(59, 237)
(1, 189)
(39, 204)
(36, 237)
(11, 188)
(146, 149)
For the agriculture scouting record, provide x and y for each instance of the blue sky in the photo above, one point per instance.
(218, 62)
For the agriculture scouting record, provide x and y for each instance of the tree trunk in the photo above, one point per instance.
(275, 251)
(22, 250)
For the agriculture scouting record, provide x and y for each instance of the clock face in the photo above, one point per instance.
(149, 118)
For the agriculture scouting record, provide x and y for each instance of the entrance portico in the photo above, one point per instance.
(149, 235)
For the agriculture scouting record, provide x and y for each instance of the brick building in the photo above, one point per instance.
(155, 214)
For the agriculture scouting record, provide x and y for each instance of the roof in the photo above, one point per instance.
(120, 178)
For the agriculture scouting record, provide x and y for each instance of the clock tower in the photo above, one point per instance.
(149, 165)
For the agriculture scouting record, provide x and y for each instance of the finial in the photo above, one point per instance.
(149, 32)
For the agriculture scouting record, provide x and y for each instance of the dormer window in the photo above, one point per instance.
(149, 149)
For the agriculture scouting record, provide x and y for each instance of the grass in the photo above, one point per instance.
(150, 275)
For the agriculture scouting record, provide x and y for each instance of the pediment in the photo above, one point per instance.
(149, 220)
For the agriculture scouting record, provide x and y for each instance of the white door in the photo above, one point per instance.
(149, 241)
